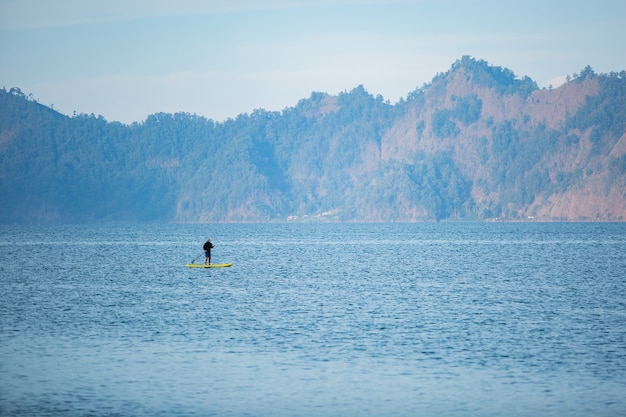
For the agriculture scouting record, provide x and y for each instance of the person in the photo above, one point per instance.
(207, 251)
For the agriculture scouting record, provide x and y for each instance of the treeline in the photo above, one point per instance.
(324, 158)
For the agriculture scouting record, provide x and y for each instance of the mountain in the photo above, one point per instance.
(475, 143)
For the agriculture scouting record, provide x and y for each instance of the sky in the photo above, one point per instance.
(127, 59)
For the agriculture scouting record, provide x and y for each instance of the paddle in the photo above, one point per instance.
(194, 259)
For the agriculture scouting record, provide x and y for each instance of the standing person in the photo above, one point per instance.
(207, 251)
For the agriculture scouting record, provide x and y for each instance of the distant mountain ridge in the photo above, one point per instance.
(477, 143)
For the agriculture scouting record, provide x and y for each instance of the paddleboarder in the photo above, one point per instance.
(207, 251)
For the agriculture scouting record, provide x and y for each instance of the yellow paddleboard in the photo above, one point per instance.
(208, 266)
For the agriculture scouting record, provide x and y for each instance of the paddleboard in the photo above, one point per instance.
(208, 266)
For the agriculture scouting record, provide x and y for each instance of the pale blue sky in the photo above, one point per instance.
(126, 59)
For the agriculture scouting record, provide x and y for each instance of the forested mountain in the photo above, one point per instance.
(475, 143)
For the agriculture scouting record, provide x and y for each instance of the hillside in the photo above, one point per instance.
(475, 143)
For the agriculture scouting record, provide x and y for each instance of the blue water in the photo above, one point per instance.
(451, 319)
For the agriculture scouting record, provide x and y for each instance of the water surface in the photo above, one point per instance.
(451, 319)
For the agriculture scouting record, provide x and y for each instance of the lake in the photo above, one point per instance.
(424, 319)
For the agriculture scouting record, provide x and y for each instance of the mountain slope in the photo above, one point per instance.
(475, 143)
(524, 151)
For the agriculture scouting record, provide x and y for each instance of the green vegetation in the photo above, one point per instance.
(466, 110)
(500, 79)
(440, 187)
(322, 157)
